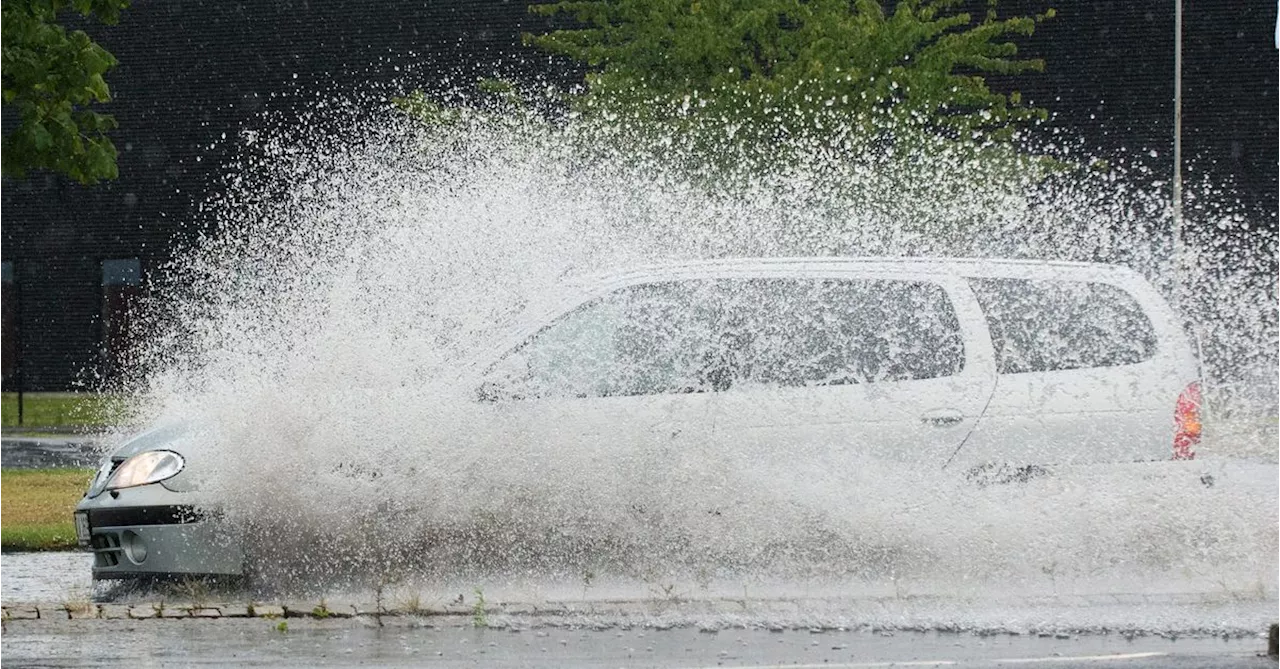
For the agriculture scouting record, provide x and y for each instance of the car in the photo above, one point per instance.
(977, 366)
(143, 515)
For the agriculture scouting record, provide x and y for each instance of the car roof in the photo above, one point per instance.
(573, 289)
(800, 266)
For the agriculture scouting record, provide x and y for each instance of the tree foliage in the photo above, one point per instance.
(52, 76)
(799, 62)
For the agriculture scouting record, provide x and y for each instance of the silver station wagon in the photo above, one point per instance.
(993, 368)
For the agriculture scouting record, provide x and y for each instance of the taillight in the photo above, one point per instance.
(1186, 423)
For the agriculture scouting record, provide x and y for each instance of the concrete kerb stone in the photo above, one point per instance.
(519, 609)
(368, 609)
(340, 608)
(319, 609)
(297, 609)
(21, 612)
(267, 610)
(143, 611)
(460, 613)
(113, 611)
(82, 611)
(301, 609)
(455, 610)
(175, 611)
(333, 611)
(52, 611)
(234, 610)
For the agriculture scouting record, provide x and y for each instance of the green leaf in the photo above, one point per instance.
(52, 76)
(40, 138)
(740, 60)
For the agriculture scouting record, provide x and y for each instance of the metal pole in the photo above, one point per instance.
(22, 376)
(1177, 141)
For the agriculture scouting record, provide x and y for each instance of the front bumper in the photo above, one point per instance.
(152, 531)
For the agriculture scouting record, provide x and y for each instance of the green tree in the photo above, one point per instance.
(52, 76)
(797, 63)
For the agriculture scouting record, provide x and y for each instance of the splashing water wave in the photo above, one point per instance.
(356, 275)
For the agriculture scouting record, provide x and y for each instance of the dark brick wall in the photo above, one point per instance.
(1109, 78)
(192, 70)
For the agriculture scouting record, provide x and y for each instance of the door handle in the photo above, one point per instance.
(943, 418)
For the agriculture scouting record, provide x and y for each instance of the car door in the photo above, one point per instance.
(601, 386)
(836, 370)
(1083, 376)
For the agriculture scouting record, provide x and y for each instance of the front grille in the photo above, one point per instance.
(106, 548)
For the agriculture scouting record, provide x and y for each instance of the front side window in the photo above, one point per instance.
(715, 335)
(1043, 326)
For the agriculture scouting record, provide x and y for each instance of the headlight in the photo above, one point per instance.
(146, 467)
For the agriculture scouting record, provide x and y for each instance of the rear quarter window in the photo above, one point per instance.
(1044, 326)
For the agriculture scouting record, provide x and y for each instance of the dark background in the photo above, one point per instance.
(193, 71)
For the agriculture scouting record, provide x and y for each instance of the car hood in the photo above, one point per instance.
(161, 437)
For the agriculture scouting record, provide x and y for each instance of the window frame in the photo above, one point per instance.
(1152, 337)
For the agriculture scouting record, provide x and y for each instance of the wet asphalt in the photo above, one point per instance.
(28, 452)
(59, 576)
(361, 643)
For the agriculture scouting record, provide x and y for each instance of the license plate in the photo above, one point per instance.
(82, 528)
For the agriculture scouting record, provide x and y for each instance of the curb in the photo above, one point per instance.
(317, 611)
(479, 612)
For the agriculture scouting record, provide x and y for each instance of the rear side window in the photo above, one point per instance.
(718, 334)
(1043, 326)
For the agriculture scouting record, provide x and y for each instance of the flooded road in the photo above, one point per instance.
(60, 576)
(343, 643)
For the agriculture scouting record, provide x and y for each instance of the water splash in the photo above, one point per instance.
(319, 334)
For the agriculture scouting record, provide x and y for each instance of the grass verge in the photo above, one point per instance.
(36, 506)
(60, 410)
